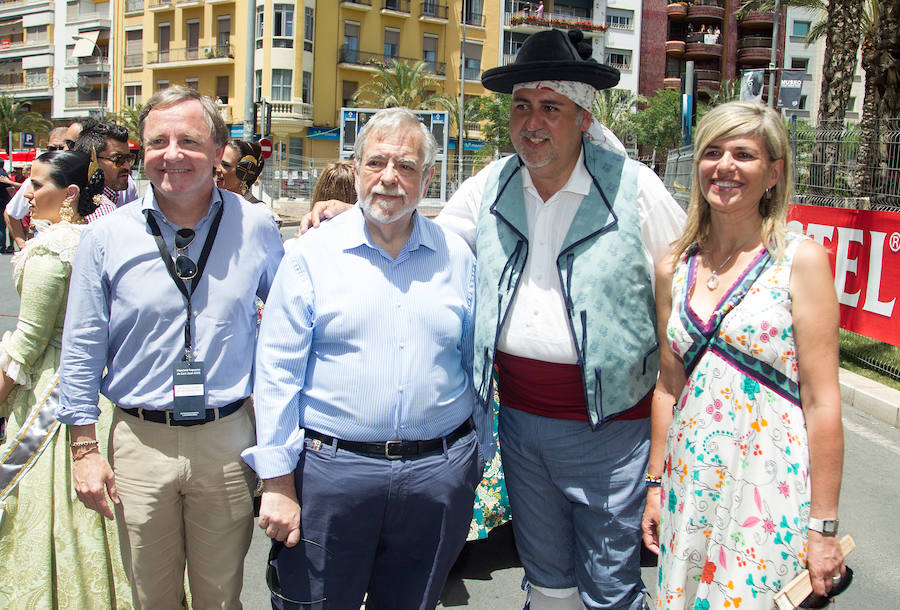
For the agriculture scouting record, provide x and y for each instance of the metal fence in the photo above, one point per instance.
(834, 165)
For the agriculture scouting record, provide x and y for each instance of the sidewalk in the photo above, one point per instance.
(879, 401)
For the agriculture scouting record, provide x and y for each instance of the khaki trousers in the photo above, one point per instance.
(185, 497)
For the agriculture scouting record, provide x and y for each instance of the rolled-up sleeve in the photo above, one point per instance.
(85, 335)
(285, 338)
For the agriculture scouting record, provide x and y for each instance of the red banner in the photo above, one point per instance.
(864, 248)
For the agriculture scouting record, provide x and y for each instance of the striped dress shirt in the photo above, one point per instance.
(360, 346)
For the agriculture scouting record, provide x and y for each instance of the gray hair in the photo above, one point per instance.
(177, 94)
(391, 120)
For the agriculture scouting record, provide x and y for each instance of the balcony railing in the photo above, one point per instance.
(132, 6)
(476, 19)
(295, 110)
(473, 73)
(22, 84)
(755, 41)
(160, 4)
(398, 6)
(434, 10)
(376, 60)
(221, 51)
(135, 60)
(360, 2)
(550, 20)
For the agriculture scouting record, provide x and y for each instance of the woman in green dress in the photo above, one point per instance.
(54, 552)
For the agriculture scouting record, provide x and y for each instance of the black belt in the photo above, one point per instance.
(165, 417)
(393, 450)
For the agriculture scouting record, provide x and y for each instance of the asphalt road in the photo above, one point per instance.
(488, 576)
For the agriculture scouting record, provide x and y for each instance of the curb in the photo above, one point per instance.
(879, 401)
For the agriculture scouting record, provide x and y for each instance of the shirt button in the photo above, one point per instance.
(402, 345)
(399, 388)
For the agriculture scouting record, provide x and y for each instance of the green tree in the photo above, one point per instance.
(129, 118)
(728, 91)
(659, 124)
(402, 84)
(15, 118)
(614, 108)
(493, 113)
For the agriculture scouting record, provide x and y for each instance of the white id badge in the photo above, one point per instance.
(190, 391)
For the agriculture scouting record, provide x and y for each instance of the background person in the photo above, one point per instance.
(337, 183)
(747, 435)
(107, 146)
(240, 168)
(53, 552)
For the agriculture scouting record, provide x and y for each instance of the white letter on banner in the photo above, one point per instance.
(820, 233)
(844, 265)
(873, 283)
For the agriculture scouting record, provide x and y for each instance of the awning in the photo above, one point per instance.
(324, 133)
(84, 44)
(20, 156)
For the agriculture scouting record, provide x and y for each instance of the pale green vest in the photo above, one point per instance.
(603, 273)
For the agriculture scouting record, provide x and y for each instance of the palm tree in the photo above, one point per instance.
(401, 84)
(129, 118)
(728, 91)
(613, 108)
(16, 117)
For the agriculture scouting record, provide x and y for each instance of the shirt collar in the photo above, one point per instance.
(355, 234)
(149, 203)
(579, 182)
(111, 194)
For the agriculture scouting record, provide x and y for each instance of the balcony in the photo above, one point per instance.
(160, 5)
(434, 12)
(711, 85)
(758, 19)
(532, 23)
(672, 82)
(291, 113)
(395, 6)
(708, 75)
(134, 6)
(218, 54)
(18, 84)
(373, 61)
(706, 10)
(754, 50)
(701, 50)
(362, 5)
(675, 48)
(676, 11)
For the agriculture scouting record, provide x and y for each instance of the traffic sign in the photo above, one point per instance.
(265, 145)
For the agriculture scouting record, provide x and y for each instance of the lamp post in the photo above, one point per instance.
(462, 100)
(100, 58)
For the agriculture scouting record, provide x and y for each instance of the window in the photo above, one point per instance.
(162, 84)
(283, 26)
(473, 61)
(429, 51)
(619, 58)
(618, 19)
(36, 77)
(223, 36)
(259, 26)
(309, 28)
(132, 95)
(192, 83)
(258, 85)
(306, 87)
(799, 63)
(295, 153)
(802, 102)
(391, 42)
(281, 85)
(801, 28)
(348, 88)
(134, 48)
(222, 83)
(36, 34)
(851, 104)
(165, 37)
(193, 39)
(351, 42)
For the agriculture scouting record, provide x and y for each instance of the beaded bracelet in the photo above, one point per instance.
(81, 454)
(652, 481)
(93, 443)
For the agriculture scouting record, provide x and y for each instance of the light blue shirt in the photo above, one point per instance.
(126, 315)
(360, 346)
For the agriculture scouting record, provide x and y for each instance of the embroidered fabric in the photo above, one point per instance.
(60, 238)
(13, 368)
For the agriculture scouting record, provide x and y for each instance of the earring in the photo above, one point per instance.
(66, 213)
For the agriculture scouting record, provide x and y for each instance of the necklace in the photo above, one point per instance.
(713, 282)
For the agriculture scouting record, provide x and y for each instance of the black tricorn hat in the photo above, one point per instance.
(552, 55)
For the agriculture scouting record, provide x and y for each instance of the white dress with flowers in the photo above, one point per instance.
(735, 491)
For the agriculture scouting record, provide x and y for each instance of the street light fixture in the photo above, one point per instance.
(100, 58)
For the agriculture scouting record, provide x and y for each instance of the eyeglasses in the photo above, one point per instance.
(70, 144)
(120, 160)
(185, 268)
(272, 574)
(53, 147)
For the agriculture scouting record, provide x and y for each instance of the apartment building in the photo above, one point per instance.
(54, 55)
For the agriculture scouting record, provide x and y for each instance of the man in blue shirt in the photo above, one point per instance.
(366, 343)
(163, 298)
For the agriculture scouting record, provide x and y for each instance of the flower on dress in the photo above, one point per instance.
(783, 489)
(768, 526)
(709, 570)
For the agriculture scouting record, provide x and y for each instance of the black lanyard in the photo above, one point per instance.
(201, 265)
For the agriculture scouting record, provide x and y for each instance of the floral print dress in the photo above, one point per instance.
(735, 490)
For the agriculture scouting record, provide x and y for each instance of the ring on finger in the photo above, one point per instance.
(836, 579)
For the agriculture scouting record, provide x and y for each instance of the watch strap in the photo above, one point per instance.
(826, 527)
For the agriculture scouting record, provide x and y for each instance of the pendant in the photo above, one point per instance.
(713, 282)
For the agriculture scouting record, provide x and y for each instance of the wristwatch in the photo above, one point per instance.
(826, 527)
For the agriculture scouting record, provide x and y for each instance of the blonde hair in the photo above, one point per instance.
(336, 182)
(739, 119)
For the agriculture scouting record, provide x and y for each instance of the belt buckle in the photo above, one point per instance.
(387, 450)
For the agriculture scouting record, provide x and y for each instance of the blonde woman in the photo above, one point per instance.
(747, 444)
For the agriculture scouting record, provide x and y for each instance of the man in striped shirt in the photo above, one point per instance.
(109, 142)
